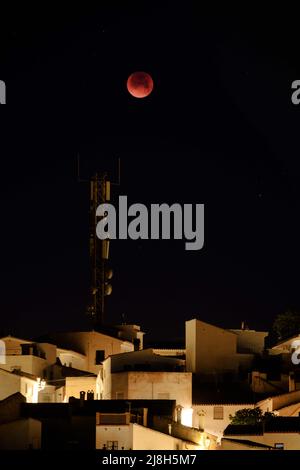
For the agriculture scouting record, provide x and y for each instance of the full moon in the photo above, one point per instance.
(140, 84)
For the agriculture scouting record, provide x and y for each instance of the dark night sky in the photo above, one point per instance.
(219, 129)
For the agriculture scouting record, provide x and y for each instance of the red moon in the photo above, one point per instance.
(140, 84)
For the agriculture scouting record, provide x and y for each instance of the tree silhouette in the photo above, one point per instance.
(250, 416)
(286, 324)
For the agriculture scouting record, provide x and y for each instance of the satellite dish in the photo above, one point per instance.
(109, 273)
(108, 289)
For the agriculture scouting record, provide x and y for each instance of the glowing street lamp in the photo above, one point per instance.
(41, 384)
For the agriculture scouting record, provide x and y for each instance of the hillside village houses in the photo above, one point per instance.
(103, 389)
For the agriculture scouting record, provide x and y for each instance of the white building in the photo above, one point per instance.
(23, 355)
(52, 394)
(286, 404)
(132, 436)
(214, 418)
(30, 363)
(93, 345)
(144, 375)
(170, 352)
(18, 381)
(72, 359)
(280, 433)
(21, 434)
(131, 333)
(250, 341)
(75, 385)
(211, 350)
(286, 346)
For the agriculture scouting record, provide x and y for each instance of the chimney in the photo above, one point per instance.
(82, 398)
(242, 325)
(90, 395)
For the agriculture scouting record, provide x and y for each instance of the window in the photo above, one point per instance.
(163, 396)
(112, 418)
(112, 445)
(279, 445)
(99, 356)
(45, 398)
(218, 412)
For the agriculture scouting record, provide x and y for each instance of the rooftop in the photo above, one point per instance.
(177, 343)
(248, 443)
(56, 337)
(20, 373)
(14, 338)
(280, 424)
(222, 393)
(90, 407)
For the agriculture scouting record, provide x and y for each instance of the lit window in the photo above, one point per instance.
(279, 445)
(218, 412)
(187, 417)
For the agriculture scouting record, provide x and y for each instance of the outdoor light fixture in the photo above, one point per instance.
(187, 417)
(41, 384)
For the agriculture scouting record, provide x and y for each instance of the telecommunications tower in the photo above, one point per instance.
(101, 273)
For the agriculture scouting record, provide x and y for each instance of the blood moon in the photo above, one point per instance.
(140, 84)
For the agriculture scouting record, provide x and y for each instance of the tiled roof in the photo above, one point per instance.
(20, 372)
(248, 443)
(17, 396)
(283, 424)
(244, 430)
(223, 393)
(72, 372)
(90, 407)
(57, 338)
(280, 424)
(177, 343)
